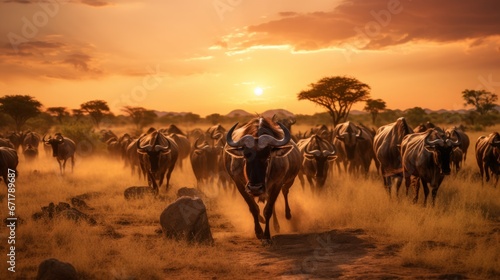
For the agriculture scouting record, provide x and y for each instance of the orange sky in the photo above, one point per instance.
(208, 56)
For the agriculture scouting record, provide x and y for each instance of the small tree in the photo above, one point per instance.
(483, 101)
(20, 108)
(374, 106)
(96, 109)
(58, 112)
(416, 115)
(140, 116)
(337, 94)
(77, 114)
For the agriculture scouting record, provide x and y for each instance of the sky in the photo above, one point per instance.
(209, 56)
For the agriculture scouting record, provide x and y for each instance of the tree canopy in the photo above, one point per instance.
(96, 109)
(140, 116)
(374, 106)
(20, 108)
(482, 100)
(58, 112)
(337, 94)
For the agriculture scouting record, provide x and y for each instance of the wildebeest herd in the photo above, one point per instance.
(261, 158)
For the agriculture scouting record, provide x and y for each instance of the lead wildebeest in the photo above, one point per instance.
(63, 148)
(8, 160)
(488, 156)
(316, 153)
(426, 157)
(262, 161)
(386, 145)
(157, 155)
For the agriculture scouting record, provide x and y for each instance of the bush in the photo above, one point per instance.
(86, 139)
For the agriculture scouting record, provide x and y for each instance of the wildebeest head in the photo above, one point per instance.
(494, 142)
(441, 149)
(153, 149)
(314, 151)
(54, 142)
(349, 135)
(257, 147)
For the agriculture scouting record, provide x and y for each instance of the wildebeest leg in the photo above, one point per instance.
(434, 193)
(275, 221)
(301, 179)
(269, 209)
(486, 171)
(254, 209)
(169, 173)
(416, 187)
(285, 190)
(426, 191)
(72, 163)
(399, 181)
(60, 167)
(311, 183)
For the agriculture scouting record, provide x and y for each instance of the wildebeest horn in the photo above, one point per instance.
(145, 148)
(329, 153)
(359, 133)
(204, 145)
(159, 148)
(268, 140)
(247, 140)
(316, 153)
(440, 142)
(454, 143)
(43, 139)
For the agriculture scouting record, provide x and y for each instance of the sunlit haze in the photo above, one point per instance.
(215, 56)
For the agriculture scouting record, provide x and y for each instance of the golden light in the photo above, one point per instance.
(258, 91)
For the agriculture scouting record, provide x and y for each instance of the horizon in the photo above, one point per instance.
(218, 55)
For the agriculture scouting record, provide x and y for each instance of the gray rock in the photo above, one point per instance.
(191, 192)
(186, 218)
(53, 269)
(139, 192)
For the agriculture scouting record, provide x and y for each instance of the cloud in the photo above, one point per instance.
(376, 24)
(94, 3)
(51, 58)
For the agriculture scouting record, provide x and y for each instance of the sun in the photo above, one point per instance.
(258, 91)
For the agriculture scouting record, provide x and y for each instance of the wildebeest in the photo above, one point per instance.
(464, 140)
(262, 161)
(30, 153)
(183, 147)
(316, 153)
(8, 160)
(426, 157)
(16, 139)
(204, 162)
(456, 158)
(132, 158)
(63, 148)
(423, 127)
(354, 146)
(488, 156)
(157, 155)
(4, 142)
(31, 138)
(386, 145)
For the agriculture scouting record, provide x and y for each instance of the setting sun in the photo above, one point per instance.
(258, 91)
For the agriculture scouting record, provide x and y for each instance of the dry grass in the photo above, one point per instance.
(460, 234)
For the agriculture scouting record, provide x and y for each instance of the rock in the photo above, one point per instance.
(138, 192)
(76, 215)
(53, 269)
(191, 192)
(186, 218)
(80, 203)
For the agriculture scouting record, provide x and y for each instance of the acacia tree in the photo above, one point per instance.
(482, 100)
(337, 94)
(374, 106)
(20, 108)
(58, 112)
(96, 109)
(140, 116)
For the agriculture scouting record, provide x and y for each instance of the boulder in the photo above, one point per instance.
(53, 269)
(186, 219)
(191, 192)
(138, 192)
